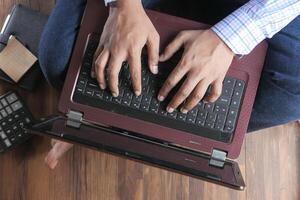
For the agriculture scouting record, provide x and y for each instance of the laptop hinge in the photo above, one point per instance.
(74, 119)
(218, 158)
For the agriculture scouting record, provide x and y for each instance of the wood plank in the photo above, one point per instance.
(88, 174)
(272, 163)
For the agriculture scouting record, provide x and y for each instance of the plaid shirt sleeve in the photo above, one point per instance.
(243, 29)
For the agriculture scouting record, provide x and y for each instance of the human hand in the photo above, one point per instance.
(127, 30)
(59, 148)
(204, 62)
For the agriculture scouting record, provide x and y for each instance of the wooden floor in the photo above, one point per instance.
(270, 162)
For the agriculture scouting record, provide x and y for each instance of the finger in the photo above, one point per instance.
(100, 65)
(216, 90)
(153, 53)
(173, 47)
(134, 61)
(196, 96)
(57, 151)
(113, 70)
(96, 55)
(184, 91)
(172, 80)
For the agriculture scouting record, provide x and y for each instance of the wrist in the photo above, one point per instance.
(222, 43)
(125, 5)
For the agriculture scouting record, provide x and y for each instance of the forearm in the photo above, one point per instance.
(253, 22)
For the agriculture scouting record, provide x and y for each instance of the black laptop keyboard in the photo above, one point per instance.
(213, 120)
(13, 117)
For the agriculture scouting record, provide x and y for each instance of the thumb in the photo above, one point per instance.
(58, 150)
(173, 47)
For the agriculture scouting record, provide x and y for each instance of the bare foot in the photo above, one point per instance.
(59, 148)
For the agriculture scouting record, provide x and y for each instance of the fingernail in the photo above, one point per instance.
(137, 93)
(160, 98)
(102, 86)
(115, 94)
(155, 69)
(170, 110)
(183, 110)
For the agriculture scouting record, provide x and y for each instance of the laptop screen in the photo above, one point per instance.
(154, 152)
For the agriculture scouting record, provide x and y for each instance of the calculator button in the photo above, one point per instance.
(27, 120)
(16, 106)
(11, 98)
(4, 102)
(3, 113)
(2, 135)
(7, 143)
(8, 110)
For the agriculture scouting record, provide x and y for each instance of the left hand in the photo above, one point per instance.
(205, 61)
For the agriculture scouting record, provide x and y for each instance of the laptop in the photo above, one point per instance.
(202, 144)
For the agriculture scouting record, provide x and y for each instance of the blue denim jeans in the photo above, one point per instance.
(278, 96)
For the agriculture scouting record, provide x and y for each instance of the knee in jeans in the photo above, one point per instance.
(53, 63)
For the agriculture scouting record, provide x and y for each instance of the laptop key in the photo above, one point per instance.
(126, 101)
(229, 122)
(228, 82)
(209, 124)
(237, 94)
(202, 114)
(79, 90)
(235, 102)
(192, 115)
(211, 117)
(136, 102)
(221, 119)
(117, 100)
(107, 96)
(145, 106)
(162, 111)
(239, 85)
(227, 91)
(209, 107)
(146, 99)
(228, 128)
(181, 116)
(154, 105)
(223, 100)
(221, 109)
(98, 94)
(219, 126)
(89, 92)
(173, 114)
(232, 113)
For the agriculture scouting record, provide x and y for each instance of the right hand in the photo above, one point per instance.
(127, 30)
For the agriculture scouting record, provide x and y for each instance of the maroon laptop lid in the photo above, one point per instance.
(248, 69)
(132, 146)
